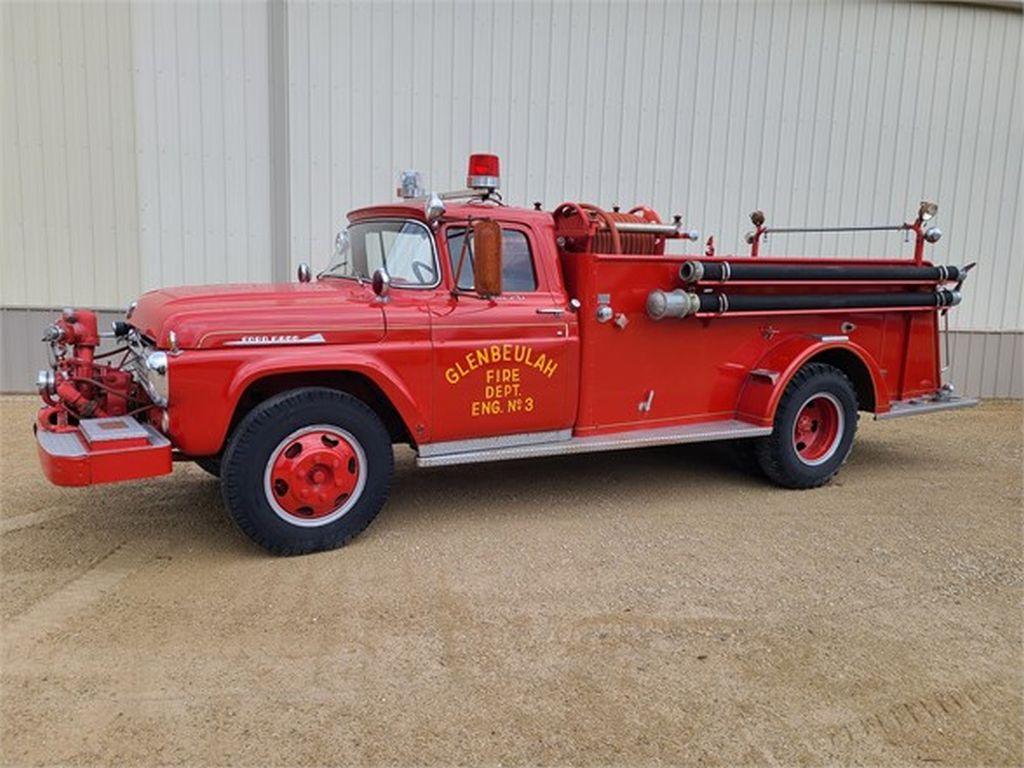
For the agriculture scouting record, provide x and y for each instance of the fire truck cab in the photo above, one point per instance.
(476, 331)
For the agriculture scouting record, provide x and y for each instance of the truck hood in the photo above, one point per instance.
(209, 316)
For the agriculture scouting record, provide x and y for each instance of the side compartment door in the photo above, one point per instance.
(501, 365)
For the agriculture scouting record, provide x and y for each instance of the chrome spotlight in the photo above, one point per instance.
(927, 210)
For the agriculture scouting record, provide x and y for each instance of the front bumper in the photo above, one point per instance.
(105, 450)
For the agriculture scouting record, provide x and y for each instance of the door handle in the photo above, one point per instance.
(550, 311)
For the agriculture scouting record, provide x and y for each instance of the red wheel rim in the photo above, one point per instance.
(315, 475)
(818, 429)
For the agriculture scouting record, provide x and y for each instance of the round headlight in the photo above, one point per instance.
(933, 234)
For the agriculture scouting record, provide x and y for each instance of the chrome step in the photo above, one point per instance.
(499, 450)
(920, 405)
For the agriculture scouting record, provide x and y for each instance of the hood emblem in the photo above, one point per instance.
(257, 341)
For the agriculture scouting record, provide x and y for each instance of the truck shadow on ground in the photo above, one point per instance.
(187, 507)
(573, 480)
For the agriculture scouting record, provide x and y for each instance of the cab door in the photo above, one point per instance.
(501, 365)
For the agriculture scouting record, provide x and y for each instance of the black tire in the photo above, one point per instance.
(210, 464)
(262, 435)
(779, 456)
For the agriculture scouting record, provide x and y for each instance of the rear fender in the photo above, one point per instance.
(768, 379)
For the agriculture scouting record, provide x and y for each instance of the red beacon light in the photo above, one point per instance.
(484, 172)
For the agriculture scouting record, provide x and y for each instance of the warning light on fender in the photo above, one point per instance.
(484, 172)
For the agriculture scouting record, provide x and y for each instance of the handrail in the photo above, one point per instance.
(876, 228)
(925, 213)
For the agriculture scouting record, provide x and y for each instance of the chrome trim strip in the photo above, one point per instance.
(902, 408)
(830, 339)
(493, 443)
(689, 433)
(276, 340)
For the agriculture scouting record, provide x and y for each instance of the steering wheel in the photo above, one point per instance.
(421, 267)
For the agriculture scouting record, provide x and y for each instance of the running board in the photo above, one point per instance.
(918, 406)
(527, 447)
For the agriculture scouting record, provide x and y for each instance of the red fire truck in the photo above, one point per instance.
(475, 331)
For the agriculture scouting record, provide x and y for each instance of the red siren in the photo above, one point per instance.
(484, 172)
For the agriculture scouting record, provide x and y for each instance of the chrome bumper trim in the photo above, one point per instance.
(63, 444)
(919, 406)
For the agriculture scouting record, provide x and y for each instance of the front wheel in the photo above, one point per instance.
(814, 428)
(307, 470)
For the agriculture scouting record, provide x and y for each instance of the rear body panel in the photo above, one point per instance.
(699, 367)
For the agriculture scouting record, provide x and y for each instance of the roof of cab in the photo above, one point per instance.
(412, 209)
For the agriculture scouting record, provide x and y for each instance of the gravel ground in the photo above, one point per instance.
(648, 607)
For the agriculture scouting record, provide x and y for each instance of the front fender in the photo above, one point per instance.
(208, 385)
(767, 380)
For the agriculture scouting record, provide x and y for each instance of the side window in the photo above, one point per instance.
(517, 273)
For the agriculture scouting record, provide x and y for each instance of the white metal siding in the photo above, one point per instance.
(135, 149)
(69, 218)
(137, 139)
(203, 141)
(817, 112)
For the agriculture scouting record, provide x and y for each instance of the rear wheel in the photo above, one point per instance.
(307, 471)
(814, 428)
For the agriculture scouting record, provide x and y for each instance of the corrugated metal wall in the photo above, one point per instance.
(173, 142)
(136, 149)
(203, 142)
(69, 231)
(817, 112)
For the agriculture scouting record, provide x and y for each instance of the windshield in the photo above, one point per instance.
(404, 248)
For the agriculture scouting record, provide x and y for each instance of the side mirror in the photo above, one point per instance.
(487, 257)
(381, 282)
